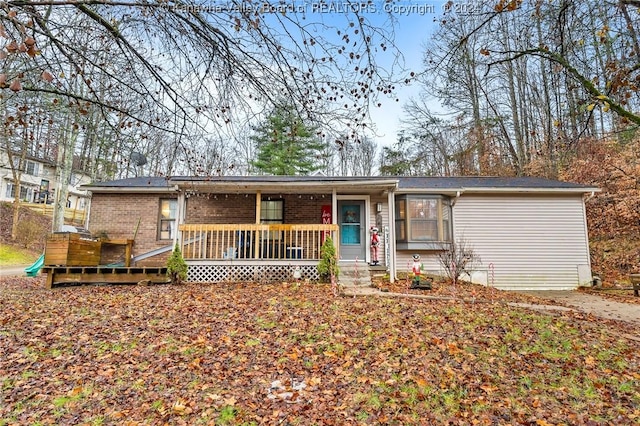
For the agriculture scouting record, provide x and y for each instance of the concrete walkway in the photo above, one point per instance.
(574, 300)
(593, 304)
(13, 271)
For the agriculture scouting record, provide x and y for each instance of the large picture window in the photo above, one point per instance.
(422, 221)
(168, 216)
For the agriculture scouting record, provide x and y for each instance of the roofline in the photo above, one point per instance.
(129, 190)
(247, 185)
(494, 190)
(256, 185)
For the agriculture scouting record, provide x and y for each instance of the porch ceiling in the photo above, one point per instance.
(287, 185)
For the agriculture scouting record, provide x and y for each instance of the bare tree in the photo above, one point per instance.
(525, 80)
(154, 76)
(457, 259)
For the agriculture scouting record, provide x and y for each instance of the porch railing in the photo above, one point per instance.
(254, 241)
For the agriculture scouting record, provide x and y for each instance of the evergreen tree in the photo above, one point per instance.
(328, 265)
(285, 145)
(176, 266)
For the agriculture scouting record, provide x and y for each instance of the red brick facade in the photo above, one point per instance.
(116, 216)
(240, 208)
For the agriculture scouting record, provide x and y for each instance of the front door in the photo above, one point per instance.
(351, 218)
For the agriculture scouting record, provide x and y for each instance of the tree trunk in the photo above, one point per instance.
(66, 150)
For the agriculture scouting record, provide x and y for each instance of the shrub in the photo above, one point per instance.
(458, 260)
(328, 265)
(176, 266)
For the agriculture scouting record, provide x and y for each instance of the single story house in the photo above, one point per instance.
(528, 233)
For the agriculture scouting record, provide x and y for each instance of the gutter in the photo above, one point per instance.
(286, 187)
(129, 190)
(487, 190)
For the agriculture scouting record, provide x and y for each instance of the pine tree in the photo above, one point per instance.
(328, 265)
(285, 145)
(176, 266)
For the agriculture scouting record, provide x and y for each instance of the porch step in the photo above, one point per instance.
(354, 274)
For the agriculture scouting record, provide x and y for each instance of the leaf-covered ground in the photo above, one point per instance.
(289, 354)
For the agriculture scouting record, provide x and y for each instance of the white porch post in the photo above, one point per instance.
(256, 242)
(177, 236)
(334, 220)
(392, 235)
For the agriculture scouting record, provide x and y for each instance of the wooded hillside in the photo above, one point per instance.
(613, 214)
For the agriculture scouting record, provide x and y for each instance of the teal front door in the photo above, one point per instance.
(351, 218)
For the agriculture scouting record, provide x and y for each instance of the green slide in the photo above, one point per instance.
(33, 270)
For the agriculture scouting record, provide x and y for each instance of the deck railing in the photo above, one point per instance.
(254, 241)
(76, 216)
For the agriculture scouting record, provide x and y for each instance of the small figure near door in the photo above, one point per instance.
(417, 271)
(375, 244)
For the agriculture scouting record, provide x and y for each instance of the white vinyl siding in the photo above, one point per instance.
(526, 242)
(428, 259)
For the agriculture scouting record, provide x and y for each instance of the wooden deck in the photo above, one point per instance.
(76, 275)
(70, 259)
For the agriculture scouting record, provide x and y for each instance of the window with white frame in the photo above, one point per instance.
(168, 217)
(422, 221)
(26, 192)
(31, 168)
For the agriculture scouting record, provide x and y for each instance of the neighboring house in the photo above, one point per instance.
(529, 233)
(38, 183)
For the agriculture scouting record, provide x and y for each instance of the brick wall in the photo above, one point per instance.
(304, 208)
(232, 208)
(117, 215)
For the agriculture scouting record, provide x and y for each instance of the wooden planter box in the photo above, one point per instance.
(68, 249)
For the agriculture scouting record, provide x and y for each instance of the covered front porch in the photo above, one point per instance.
(254, 252)
(263, 230)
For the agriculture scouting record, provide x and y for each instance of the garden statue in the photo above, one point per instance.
(417, 271)
(375, 243)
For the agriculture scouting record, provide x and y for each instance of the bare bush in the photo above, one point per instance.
(458, 259)
(29, 233)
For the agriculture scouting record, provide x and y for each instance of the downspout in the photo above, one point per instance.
(593, 194)
(455, 199)
(87, 210)
(586, 226)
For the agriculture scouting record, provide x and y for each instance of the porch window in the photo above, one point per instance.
(168, 215)
(422, 221)
(272, 213)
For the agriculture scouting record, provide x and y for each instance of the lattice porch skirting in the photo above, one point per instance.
(247, 270)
